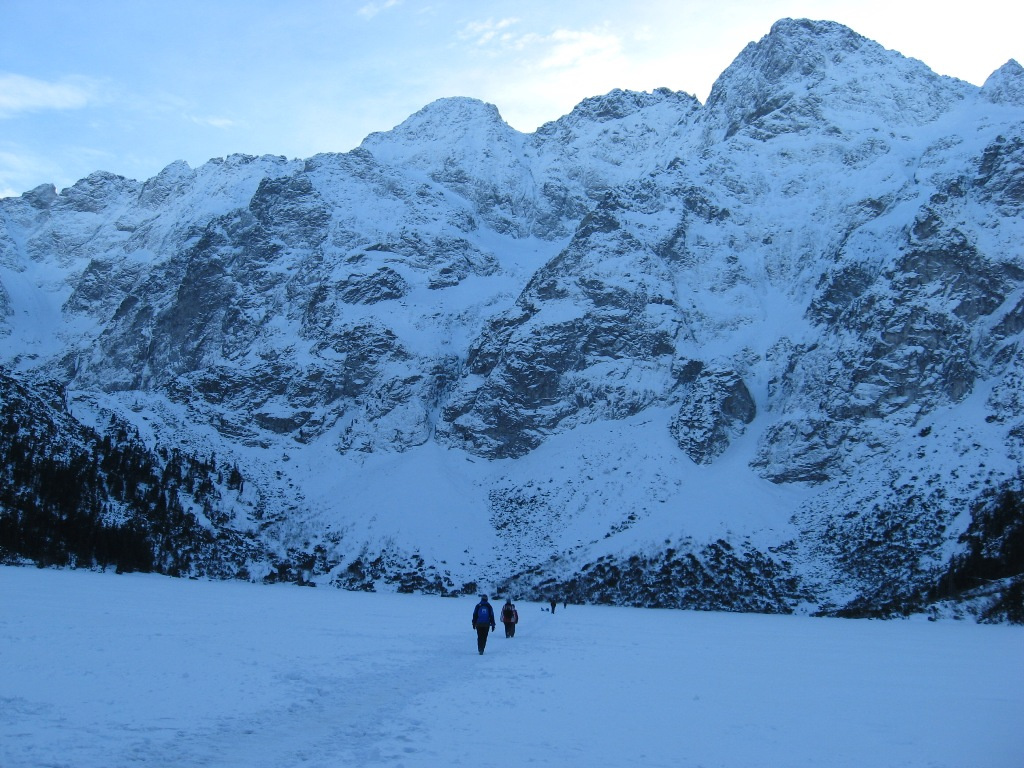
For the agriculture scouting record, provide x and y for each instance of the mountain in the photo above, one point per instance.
(761, 354)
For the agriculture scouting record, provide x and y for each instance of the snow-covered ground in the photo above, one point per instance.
(135, 670)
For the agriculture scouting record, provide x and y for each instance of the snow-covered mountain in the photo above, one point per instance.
(763, 353)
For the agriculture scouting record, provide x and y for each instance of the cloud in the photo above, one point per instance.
(26, 94)
(559, 49)
(483, 32)
(370, 10)
(572, 48)
(213, 121)
(536, 73)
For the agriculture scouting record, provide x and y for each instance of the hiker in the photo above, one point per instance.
(553, 604)
(509, 617)
(483, 622)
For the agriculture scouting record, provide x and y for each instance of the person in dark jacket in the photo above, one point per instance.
(483, 622)
(509, 617)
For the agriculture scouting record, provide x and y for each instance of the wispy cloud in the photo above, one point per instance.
(559, 49)
(371, 9)
(569, 48)
(19, 94)
(554, 66)
(483, 32)
(213, 121)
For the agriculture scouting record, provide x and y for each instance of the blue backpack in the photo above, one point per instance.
(484, 614)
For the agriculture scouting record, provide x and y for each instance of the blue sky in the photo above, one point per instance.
(130, 86)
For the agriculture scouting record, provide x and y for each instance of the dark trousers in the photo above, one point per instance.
(481, 636)
(510, 629)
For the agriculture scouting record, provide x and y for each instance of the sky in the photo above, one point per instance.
(129, 86)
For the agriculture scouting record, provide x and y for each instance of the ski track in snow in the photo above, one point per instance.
(107, 671)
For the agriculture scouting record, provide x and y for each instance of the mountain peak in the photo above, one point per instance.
(447, 117)
(454, 125)
(459, 108)
(618, 104)
(1006, 84)
(802, 47)
(97, 190)
(812, 29)
(807, 73)
(41, 196)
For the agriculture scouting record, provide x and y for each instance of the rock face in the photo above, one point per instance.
(716, 406)
(618, 357)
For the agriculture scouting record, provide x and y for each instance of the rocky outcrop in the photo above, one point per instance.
(716, 406)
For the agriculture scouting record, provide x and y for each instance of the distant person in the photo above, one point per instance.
(509, 617)
(553, 604)
(483, 622)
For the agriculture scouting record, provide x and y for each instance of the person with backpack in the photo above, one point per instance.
(509, 617)
(483, 622)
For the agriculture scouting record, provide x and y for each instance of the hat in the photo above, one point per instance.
(483, 597)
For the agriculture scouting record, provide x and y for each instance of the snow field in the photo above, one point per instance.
(137, 670)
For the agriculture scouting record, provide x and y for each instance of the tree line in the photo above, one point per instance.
(77, 497)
